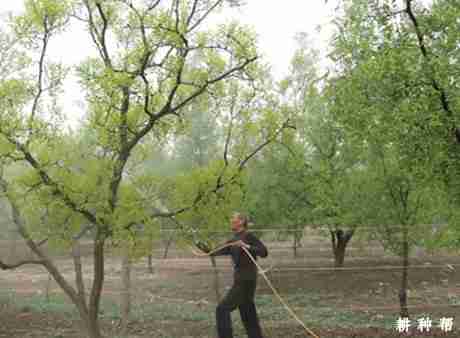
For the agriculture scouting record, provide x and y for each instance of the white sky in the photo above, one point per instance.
(276, 23)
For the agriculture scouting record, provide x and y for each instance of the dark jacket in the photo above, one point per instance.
(243, 266)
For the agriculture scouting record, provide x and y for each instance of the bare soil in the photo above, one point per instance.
(368, 286)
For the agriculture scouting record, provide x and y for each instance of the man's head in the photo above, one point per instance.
(239, 222)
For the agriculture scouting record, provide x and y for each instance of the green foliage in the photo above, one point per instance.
(41, 16)
(386, 97)
(312, 175)
(152, 105)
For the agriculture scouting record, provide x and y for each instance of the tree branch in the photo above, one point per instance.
(435, 84)
(103, 41)
(44, 259)
(47, 180)
(98, 273)
(204, 16)
(261, 146)
(232, 180)
(83, 232)
(192, 12)
(94, 33)
(41, 63)
(79, 281)
(5, 266)
(217, 79)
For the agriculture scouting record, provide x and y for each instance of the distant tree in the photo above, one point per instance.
(395, 100)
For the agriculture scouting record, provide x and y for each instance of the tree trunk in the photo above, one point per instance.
(296, 241)
(216, 278)
(165, 255)
(93, 328)
(81, 291)
(47, 289)
(125, 291)
(294, 246)
(404, 311)
(98, 283)
(150, 255)
(88, 314)
(150, 263)
(79, 279)
(339, 240)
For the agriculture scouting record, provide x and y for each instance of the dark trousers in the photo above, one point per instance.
(240, 296)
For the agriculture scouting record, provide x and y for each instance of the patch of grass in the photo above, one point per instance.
(171, 311)
(109, 309)
(7, 297)
(57, 303)
(454, 300)
(306, 305)
(309, 309)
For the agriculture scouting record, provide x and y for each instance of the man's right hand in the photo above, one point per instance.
(203, 246)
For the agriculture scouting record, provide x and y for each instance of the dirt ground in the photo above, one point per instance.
(367, 287)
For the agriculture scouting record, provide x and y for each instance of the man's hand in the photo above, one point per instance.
(203, 246)
(241, 244)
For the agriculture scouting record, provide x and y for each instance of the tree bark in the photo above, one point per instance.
(125, 291)
(340, 240)
(404, 311)
(168, 244)
(297, 235)
(89, 319)
(294, 246)
(79, 281)
(98, 283)
(82, 305)
(150, 255)
(150, 263)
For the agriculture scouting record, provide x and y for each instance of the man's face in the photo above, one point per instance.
(236, 223)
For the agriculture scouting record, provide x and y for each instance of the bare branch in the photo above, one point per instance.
(167, 109)
(43, 241)
(229, 134)
(103, 34)
(94, 33)
(215, 80)
(177, 13)
(192, 12)
(98, 37)
(5, 266)
(204, 16)
(41, 64)
(262, 145)
(232, 180)
(153, 5)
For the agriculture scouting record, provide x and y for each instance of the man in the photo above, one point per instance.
(241, 295)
